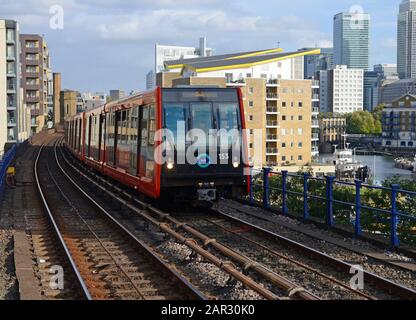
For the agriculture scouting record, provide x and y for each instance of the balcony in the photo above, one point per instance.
(315, 110)
(11, 122)
(315, 84)
(272, 152)
(11, 88)
(32, 99)
(272, 96)
(315, 152)
(315, 97)
(272, 83)
(315, 124)
(315, 137)
(35, 112)
(34, 124)
(10, 57)
(271, 110)
(236, 83)
(272, 138)
(32, 62)
(272, 124)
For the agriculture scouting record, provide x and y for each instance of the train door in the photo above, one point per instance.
(110, 141)
(88, 132)
(143, 116)
(133, 140)
(101, 136)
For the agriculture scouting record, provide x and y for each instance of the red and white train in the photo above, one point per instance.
(120, 140)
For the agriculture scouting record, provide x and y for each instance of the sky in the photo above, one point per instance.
(109, 44)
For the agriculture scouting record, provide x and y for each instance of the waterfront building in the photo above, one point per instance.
(278, 102)
(318, 62)
(117, 94)
(10, 103)
(165, 53)
(332, 131)
(394, 89)
(352, 40)
(36, 78)
(341, 90)
(406, 40)
(399, 123)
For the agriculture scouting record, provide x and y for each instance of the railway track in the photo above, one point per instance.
(109, 262)
(261, 274)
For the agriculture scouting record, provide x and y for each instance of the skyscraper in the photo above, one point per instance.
(406, 41)
(352, 40)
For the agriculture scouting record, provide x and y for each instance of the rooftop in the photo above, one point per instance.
(237, 60)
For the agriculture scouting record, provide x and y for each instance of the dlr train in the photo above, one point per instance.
(157, 143)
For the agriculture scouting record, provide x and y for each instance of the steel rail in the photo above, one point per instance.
(74, 267)
(180, 279)
(291, 289)
(298, 263)
(380, 282)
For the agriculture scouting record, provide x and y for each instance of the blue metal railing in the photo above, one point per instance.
(384, 212)
(4, 164)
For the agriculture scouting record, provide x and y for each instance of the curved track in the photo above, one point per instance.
(109, 261)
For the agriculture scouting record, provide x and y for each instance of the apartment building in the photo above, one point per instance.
(399, 123)
(36, 79)
(10, 104)
(278, 102)
(332, 131)
(341, 90)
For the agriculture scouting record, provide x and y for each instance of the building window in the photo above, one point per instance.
(300, 158)
(284, 118)
(283, 145)
(300, 144)
(300, 104)
(300, 131)
(284, 158)
(251, 90)
(251, 104)
(248, 75)
(284, 104)
(251, 146)
(263, 76)
(300, 118)
(250, 118)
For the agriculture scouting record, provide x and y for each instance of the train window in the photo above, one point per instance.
(228, 116)
(201, 118)
(79, 135)
(201, 114)
(88, 137)
(174, 114)
(150, 163)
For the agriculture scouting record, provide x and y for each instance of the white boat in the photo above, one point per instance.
(346, 165)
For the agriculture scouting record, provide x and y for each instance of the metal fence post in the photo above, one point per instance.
(305, 196)
(266, 192)
(394, 217)
(285, 209)
(358, 231)
(251, 186)
(330, 201)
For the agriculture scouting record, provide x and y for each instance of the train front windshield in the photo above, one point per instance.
(189, 112)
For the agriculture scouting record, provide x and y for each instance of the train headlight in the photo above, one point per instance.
(236, 165)
(169, 166)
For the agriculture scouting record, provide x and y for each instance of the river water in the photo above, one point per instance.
(382, 167)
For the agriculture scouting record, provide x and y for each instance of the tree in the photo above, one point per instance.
(364, 122)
